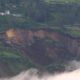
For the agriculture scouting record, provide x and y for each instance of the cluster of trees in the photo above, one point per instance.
(37, 12)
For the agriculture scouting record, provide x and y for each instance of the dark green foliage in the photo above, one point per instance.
(39, 12)
(12, 62)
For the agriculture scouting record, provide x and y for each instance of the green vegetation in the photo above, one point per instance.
(73, 31)
(38, 12)
(12, 61)
(62, 1)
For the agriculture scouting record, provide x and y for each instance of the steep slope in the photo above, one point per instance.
(38, 44)
(46, 44)
(46, 36)
(43, 48)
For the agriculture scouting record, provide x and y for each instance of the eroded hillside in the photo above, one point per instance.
(42, 47)
(44, 44)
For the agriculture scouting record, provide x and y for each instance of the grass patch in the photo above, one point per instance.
(62, 1)
(73, 31)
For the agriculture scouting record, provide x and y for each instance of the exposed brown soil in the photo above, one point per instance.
(32, 43)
